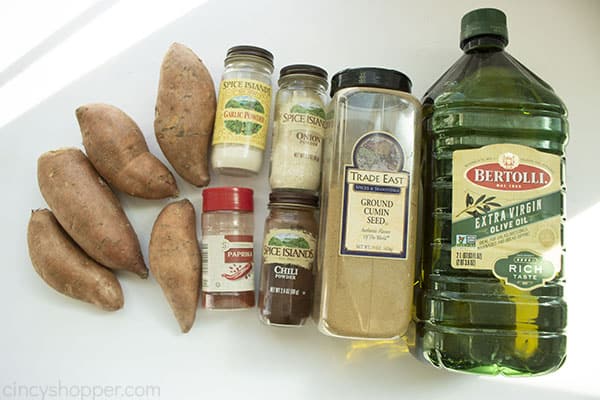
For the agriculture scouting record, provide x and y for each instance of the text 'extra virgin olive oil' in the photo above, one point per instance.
(490, 298)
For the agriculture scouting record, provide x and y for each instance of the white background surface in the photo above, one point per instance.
(61, 54)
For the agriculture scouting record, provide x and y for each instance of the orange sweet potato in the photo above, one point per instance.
(116, 147)
(66, 268)
(175, 260)
(88, 210)
(185, 113)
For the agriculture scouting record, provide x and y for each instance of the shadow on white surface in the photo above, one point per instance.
(55, 39)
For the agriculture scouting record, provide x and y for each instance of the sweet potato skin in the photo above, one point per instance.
(116, 147)
(185, 113)
(88, 210)
(175, 260)
(66, 268)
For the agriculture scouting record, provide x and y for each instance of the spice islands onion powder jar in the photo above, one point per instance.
(227, 248)
(298, 128)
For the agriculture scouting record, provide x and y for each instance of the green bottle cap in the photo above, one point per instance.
(483, 21)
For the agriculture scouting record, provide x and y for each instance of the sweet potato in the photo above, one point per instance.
(116, 147)
(66, 268)
(88, 210)
(185, 113)
(175, 260)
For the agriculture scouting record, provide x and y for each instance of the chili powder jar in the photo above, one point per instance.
(289, 251)
(227, 248)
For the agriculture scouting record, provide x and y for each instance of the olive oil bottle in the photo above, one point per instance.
(489, 299)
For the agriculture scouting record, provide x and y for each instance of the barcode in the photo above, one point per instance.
(204, 266)
(204, 252)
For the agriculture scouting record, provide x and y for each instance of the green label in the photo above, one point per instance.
(242, 115)
(524, 270)
(507, 205)
(493, 221)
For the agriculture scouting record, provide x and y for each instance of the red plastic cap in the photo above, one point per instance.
(227, 198)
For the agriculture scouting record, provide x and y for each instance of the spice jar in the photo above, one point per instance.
(227, 248)
(289, 251)
(369, 206)
(298, 129)
(242, 116)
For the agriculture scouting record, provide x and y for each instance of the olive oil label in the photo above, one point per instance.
(375, 203)
(227, 263)
(242, 115)
(507, 207)
(300, 128)
(287, 246)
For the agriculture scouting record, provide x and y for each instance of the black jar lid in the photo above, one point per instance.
(370, 77)
(305, 69)
(294, 197)
(246, 50)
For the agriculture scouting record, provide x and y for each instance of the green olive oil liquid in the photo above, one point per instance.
(490, 297)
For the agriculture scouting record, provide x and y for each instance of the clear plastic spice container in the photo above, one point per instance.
(298, 128)
(289, 252)
(242, 116)
(369, 206)
(227, 248)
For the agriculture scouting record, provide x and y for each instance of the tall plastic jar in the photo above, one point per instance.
(227, 248)
(243, 111)
(366, 259)
(490, 301)
(298, 128)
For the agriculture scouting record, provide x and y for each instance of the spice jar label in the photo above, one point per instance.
(285, 246)
(297, 141)
(375, 205)
(227, 263)
(288, 257)
(242, 115)
(506, 213)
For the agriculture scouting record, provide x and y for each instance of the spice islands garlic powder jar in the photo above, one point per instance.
(227, 248)
(298, 128)
(242, 116)
(369, 202)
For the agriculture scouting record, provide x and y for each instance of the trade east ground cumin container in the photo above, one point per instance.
(368, 206)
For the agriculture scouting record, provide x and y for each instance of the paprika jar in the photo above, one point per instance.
(289, 250)
(298, 128)
(227, 248)
(243, 109)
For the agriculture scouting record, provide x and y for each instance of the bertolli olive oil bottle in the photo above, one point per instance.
(490, 295)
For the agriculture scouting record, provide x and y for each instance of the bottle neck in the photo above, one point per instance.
(281, 209)
(278, 211)
(484, 44)
(245, 62)
(303, 81)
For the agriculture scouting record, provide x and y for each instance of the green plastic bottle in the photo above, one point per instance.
(490, 297)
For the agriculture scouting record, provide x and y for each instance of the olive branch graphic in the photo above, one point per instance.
(476, 208)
